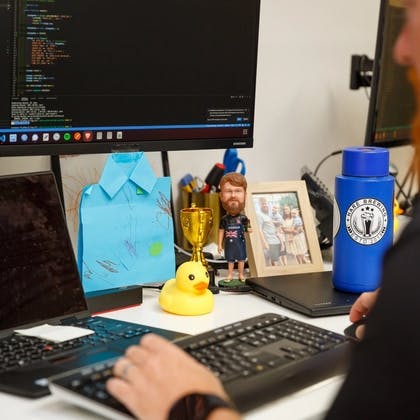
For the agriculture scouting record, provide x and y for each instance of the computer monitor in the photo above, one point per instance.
(392, 102)
(101, 76)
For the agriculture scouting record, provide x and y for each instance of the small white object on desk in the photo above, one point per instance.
(55, 333)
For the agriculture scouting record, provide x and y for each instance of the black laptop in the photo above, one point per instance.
(39, 284)
(312, 294)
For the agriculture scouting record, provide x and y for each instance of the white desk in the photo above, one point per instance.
(310, 403)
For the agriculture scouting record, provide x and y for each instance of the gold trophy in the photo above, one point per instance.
(196, 224)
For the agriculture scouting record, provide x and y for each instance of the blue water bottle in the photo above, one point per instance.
(363, 218)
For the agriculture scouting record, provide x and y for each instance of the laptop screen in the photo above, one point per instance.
(38, 272)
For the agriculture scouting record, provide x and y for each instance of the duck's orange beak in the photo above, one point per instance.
(201, 286)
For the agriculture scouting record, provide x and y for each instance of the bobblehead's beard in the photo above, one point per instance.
(233, 206)
(415, 128)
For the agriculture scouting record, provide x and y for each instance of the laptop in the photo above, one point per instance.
(311, 294)
(40, 284)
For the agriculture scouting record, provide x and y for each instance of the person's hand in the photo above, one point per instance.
(152, 376)
(361, 307)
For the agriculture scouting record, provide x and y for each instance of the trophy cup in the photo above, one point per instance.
(196, 223)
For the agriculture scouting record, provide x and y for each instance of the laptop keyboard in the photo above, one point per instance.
(20, 351)
(249, 357)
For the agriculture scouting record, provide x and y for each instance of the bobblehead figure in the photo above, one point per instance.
(233, 224)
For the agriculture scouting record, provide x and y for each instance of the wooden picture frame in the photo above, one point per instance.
(296, 246)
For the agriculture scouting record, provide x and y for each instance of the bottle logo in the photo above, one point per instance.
(366, 221)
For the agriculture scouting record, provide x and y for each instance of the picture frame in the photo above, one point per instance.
(283, 237)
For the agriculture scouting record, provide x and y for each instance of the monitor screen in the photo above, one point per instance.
(392, 102)
(91, 76)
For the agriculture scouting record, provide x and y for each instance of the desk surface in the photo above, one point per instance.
(309, 403)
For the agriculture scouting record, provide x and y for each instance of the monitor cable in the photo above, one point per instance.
(322, 202)
(406, 204)
(336, 152)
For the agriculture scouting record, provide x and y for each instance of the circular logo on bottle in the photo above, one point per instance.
(366, 221)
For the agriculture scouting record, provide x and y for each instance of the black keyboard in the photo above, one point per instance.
(258, 360)
(20, 351)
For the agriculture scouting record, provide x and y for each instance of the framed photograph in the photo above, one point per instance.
(283, 237)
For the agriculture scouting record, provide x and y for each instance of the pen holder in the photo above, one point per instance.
(210, 200)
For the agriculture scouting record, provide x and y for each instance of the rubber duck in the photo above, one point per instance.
(187, 293)
(397, 212)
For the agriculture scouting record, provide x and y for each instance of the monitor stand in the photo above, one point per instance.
(166, 172)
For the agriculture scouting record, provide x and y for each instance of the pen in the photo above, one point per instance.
(198, 184)
(187, 183)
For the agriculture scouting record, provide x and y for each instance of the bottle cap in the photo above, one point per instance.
(365, 161)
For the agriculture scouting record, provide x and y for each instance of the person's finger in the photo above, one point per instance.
(362, 306)
(158, 345)
(360, 332)
(124, 392)
(357, 311)
(126, 370)
(118, 388)
(154, 342)
(138, 354)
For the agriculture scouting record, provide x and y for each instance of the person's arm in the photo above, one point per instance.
(260, 222)
(263, 241)
(384, 365)
(153, 376)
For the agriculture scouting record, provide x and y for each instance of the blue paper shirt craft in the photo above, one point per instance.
(126, 228)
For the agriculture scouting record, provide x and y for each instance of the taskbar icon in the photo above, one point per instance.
(62, 136)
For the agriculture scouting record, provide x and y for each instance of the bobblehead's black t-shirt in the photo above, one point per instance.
(234, 238)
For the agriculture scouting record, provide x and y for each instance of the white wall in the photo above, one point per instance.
(304, 107)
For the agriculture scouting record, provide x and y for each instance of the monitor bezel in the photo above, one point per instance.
(115, 147)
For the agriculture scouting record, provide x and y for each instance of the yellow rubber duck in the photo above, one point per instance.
(187, 293)
(397, 212)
